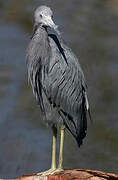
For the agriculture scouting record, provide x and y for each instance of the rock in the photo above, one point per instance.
(75, 174)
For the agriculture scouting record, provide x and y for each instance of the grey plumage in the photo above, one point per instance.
(54, 71)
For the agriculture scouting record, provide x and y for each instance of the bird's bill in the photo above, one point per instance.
(49, 22)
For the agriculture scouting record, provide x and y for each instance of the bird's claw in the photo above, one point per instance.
(50, 172)
(46, 172)
(58, 170)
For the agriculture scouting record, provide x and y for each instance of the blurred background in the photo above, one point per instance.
(90, 28)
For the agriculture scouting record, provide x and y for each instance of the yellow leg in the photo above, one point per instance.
(61, 147)
(54, 142)
(53, 164)
(60, 167)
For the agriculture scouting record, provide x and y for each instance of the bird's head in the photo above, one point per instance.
(43, 16)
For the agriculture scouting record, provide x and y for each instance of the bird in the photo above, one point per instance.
(56, 75)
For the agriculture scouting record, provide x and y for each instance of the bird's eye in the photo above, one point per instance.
(41, 15)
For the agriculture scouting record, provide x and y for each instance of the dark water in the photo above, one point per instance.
(90, 28)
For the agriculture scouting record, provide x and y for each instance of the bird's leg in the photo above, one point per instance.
(54, 142)
(53, 164)
(60, 167)
(61, 147)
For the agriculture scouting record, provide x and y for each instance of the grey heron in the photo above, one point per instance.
(54, 72)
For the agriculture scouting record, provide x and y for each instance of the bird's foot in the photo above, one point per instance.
(50, 171)
(57, 170)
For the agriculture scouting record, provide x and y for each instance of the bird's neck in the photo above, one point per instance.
(40, 29)
(41, 42)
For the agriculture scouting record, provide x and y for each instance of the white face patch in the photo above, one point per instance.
(43, 15)
(42, 11)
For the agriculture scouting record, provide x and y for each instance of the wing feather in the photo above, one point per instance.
(67, 88)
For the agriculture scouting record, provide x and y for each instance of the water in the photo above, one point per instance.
(90, 29)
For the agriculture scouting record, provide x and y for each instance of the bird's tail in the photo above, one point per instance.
(77, 125)
(81, 128)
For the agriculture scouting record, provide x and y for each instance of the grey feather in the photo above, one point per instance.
(54, 70)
